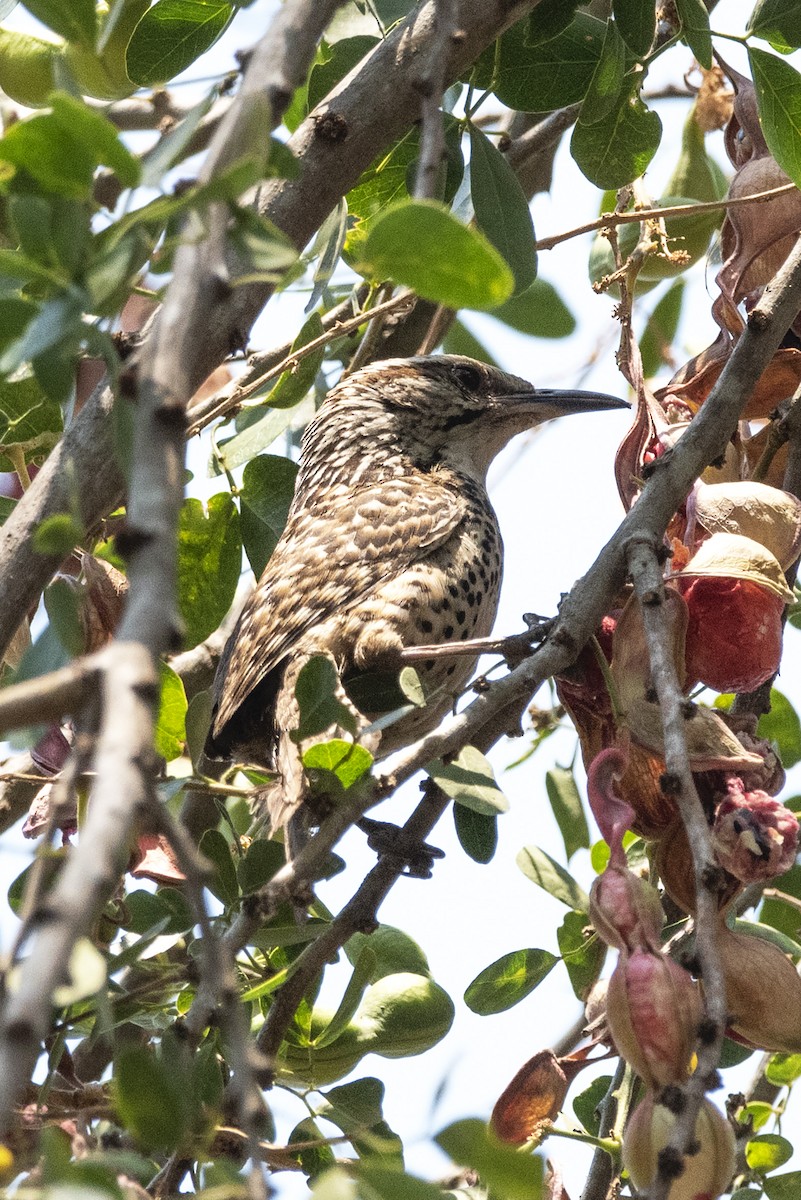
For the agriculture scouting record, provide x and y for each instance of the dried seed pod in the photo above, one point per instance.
(765, 514)
(763, 992)
(732, 556)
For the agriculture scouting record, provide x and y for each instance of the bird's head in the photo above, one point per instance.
(435, 409)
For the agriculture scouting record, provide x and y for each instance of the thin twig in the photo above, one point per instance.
(675, 210)
(679, 784)
(234, 394)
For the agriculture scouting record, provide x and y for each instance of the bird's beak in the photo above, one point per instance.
(555, 402)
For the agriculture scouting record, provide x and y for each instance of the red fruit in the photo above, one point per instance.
(734, 634)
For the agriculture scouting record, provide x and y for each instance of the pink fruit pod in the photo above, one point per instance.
(653, 1009)
(626, 911)
(755, 837)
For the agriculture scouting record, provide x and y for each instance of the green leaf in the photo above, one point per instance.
(261, 861)
(783, 1187)
(214, 846)
(608, 77)
(316, 694)
(539, 311)
(782, 727)
(778, 21)
(257, 430)
(146, 911)
(61, 149)
(86, 973)
(551, 74)
(477, 833)
(171, 35)
(264, 253)
(268, 485)
(767, 1152)
(58, 535)
(759, 1112)
(422, 245)
(209, 563)
(75, 21)
(198, 723)
(395, 952)
(583, 952)
(171, 718)
(149, 1098)
(98, 135)
(351, 999)
(341, 58)
(46, 654)
(410, 684)
(637, 22)
(387, 180)
(388, 1183)
(508, 981)
(783, 1069)
(541, 869)
(560, 784)
(501, 208)
(775, 913)
(548, 20)
(356, 1108)
(614, 151)
(346, 760)
(293, 385)
(469, 780)
(58, 161)
(694, 17)
(660, 330)
(778, 90)
(61, 603)
(586, 1104)
(503, 1171)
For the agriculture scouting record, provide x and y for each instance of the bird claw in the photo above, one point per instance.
(389, 840)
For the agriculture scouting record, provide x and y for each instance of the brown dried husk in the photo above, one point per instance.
(767, 515)
(763, 992)
(674, 865)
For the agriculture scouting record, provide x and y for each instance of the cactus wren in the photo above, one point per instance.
(391, 542)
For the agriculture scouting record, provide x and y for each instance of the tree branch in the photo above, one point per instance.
(678, 781)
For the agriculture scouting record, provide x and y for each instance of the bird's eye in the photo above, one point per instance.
(468, 377)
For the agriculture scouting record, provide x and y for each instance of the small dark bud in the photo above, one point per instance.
(673, 1098)
(670, 1163)
(707, 1032)
(670, 784)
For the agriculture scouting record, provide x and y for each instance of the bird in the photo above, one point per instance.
(391, 542)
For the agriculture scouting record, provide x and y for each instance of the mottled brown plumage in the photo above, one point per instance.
(391, 541)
